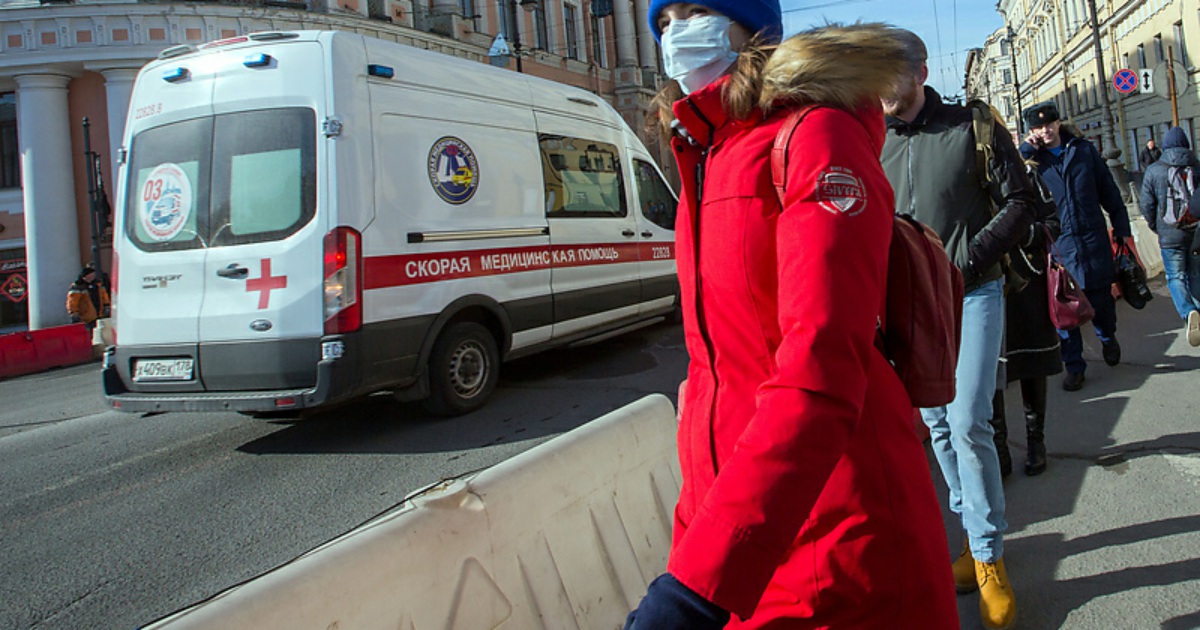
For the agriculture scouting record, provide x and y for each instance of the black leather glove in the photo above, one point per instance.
(75, 319)
(669, 604)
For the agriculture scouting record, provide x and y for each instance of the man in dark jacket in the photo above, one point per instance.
(1148, 155)
(930, 159)
(1166, 189)
(1081, 184)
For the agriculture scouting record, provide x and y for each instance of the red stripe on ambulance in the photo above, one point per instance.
(383, 272)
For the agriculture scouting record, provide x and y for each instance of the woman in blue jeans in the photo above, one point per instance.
(1166, 189)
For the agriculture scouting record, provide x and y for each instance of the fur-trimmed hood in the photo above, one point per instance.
(835, 65)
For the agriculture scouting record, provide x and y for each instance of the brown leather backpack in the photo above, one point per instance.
(921, 326)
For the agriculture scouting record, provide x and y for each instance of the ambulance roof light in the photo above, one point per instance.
(176, 75)
(257, 60)
(383, 72)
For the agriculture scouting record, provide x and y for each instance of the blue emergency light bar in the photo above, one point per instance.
(259, 60)
(383, 72)
(176, 75)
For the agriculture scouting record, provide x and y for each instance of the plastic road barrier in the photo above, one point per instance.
(38, 350)
(565, 535)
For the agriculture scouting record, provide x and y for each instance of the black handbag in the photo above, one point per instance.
(1132, 277)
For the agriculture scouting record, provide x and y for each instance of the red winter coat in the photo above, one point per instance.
(806, 493)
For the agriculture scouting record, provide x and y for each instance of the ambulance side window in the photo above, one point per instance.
(654, 197)
(583, 178)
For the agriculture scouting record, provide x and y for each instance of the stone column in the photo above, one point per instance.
(647, 50)
(118, 86)
(51, 218)
(626, 33)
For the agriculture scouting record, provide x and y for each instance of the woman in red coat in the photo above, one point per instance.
(807, 500)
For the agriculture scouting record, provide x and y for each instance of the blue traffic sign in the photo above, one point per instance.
(1125, 81)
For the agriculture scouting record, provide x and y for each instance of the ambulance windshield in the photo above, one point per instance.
(231, 179)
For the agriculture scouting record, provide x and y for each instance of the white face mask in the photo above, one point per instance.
(697, 51)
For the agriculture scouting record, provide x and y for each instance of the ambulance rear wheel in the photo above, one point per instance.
(463, 370)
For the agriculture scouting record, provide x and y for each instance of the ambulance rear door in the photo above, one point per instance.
(262, 320)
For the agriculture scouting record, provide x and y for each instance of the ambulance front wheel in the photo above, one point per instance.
(463, 369)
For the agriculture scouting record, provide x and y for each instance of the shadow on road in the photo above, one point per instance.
(1073, 546)
(538, 397)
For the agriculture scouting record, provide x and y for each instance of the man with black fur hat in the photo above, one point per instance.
(87, 300)
(1082, 185)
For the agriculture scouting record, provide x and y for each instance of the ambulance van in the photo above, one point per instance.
(308, 217)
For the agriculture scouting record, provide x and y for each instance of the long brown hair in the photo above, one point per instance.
(741, 94)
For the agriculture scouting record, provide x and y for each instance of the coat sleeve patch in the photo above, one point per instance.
(840, 191)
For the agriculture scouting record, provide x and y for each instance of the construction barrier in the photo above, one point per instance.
(565, 535)
(37, 350)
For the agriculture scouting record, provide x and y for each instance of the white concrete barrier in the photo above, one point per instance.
(566, 535)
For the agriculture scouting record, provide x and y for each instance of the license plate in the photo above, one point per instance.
(163, 370)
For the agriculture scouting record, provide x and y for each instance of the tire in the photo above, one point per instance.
(463, 370)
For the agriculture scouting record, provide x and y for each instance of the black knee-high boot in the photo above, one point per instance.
(1033, 394)
(1000, 427)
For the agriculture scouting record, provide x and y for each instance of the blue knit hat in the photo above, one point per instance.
(758, 16)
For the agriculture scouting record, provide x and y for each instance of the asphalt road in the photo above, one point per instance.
(112, 520)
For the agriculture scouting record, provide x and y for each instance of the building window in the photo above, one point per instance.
(468, 8)
(598, 42)
(541, 33)
(508, 25)
(1125, 59)
(1158, 48)
(1007, 76)
(1141, 55)
(1179, 43)
(10, 155)
(570, 25)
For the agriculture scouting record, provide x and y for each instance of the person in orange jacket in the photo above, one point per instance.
(807, 500)
(87, 300)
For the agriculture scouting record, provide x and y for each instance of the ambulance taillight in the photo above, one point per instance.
(343, 281)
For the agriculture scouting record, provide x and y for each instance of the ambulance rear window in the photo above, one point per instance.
(232, 179)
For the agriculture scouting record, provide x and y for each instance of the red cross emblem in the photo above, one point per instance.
(265, 283)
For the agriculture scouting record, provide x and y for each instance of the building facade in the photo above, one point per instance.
(1047, 47)
(62, 61)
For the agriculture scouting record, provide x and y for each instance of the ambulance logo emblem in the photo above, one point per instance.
(453, 170)
(166, 202)
(840, 191)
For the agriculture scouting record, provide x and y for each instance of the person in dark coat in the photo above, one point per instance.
(1081, 185)
(1148, 155)
(1031, 352)
(1166, 188)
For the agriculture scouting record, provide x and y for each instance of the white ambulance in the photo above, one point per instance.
(307, 217)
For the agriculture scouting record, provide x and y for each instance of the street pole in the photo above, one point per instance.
(1012, 57)
(94, 213)
(1112, 153)
(1171, 86)
(511, 7)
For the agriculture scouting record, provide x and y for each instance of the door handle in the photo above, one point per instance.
(233, 271)
(628, 233)
(647, 234)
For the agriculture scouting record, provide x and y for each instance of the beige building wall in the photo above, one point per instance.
(1054, 52)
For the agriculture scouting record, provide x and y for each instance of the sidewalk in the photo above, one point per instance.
(1109, 535)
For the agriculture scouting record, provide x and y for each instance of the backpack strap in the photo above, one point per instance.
(983, 123)
(780, 151)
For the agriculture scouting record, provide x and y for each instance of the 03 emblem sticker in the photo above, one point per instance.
(840, 191)
(166, 202)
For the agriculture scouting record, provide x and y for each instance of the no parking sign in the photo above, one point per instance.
(1125, 80)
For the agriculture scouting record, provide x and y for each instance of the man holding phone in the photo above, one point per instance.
(1082, 186)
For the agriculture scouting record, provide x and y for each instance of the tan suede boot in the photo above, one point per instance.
(997, 605)
(964, 570)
